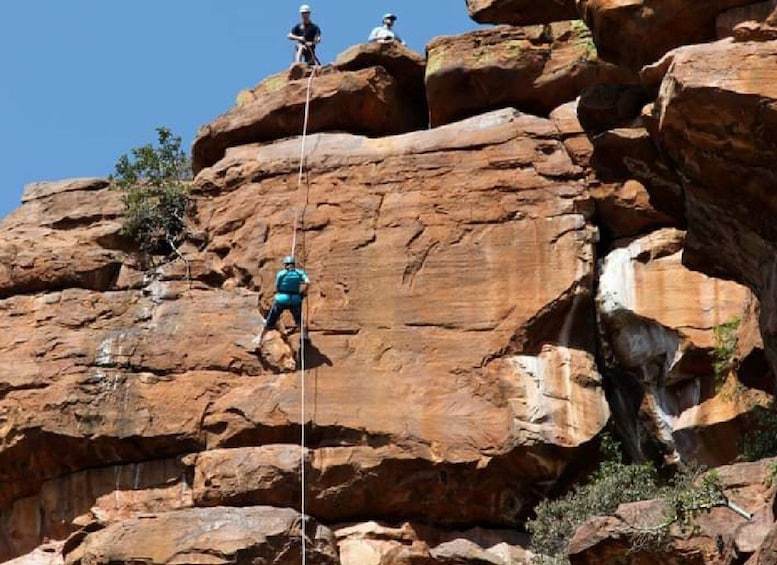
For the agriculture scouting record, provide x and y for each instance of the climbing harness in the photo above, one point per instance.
(298, 217)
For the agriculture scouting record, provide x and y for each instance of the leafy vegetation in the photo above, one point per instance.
(724, 354)
(761, 440)
(156, 200)
(615, 483)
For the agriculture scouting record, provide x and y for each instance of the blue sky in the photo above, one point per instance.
(83, 81)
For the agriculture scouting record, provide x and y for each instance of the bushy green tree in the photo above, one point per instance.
(156, 199)
(611, 485)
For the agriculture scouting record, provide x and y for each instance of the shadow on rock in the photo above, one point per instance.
(314, 357)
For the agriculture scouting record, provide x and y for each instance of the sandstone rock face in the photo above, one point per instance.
(366, 101)
(727, 21)
(47, 554)
(534, 69)
(405, 65)
(629, 154)
(716, 157)
(63, 236)
(634, 33)
(222, 535)
(521, 12)
(659, 320)
(723, 536)
(728, 161)
(452, 379)
(451, 376)
(378, 294)
(375, 544)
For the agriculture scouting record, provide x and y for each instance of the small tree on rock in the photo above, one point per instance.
(156, 199)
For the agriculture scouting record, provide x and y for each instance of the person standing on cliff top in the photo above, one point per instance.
(307, 35)
(385, 33)
(291, 286)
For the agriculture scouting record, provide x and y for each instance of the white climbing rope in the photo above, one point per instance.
(297, 218)
(302, 156)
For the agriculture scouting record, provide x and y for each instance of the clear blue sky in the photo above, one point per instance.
(83, 81)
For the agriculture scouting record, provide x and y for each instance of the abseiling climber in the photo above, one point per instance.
(307, 35)
(291, 285)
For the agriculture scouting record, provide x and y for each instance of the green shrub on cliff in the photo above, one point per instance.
(760, 440)
(155, 198)
(724, 354)
(615, 483)
(611, 485)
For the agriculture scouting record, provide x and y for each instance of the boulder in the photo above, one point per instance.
(727, 21)
(659, 320)
(607, 106)
(717, 119)
(574, 137)
(623, 209)
(629, 153)
(521, 12)
(47, 554)
(372, 543)
(534, 69)
(627, 210)
(66, 234)
(198, 535)
(638, 32)
(754, 31)
(405, 65)
(366, 101)
(767, 553)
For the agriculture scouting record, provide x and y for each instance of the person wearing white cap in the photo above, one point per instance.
(307, 35)
(385, 33)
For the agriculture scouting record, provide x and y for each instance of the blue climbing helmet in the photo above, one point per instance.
(289, 260)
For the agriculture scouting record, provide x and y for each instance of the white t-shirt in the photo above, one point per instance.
(382, 33)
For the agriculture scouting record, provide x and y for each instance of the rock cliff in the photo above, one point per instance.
(513, 243)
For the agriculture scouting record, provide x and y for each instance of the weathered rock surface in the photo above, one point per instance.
(106, 494)
(767, 553)
(521, 12)
(367, 101)
(607, 106)
(659, 320)
(733, 149)
(627, 210)
(634, 33)
(375, 544)
(47, 554)
(64, 235)
(717, 121)
(574, 137)
(534, 69)
(405, 65)
(452, 379)
(723, 535)
(623, 209)
(213, 535)
(490, 381)
(727, 21)
(405, 241)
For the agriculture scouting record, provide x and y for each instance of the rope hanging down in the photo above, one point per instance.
(303, 319)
